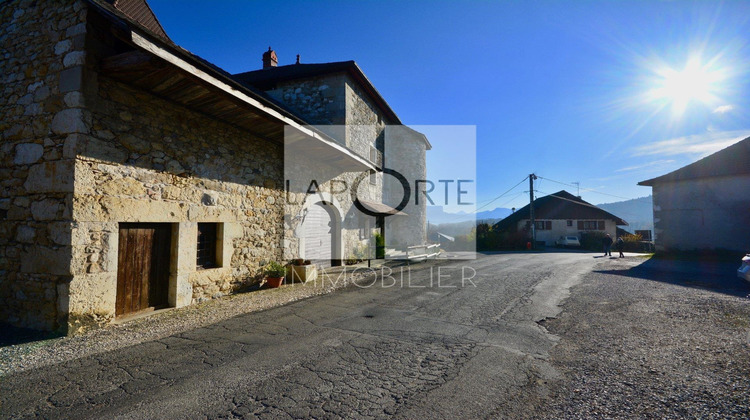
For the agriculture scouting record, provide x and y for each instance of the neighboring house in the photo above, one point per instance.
(561, 214)
(705, 205)
(136, 175)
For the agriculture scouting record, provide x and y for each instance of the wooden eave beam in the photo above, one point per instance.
(131, 62)
(151, 55)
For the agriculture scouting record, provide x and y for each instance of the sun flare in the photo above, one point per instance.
(696, 82)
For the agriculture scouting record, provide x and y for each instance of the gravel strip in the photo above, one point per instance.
(35, 354)
(639, 344)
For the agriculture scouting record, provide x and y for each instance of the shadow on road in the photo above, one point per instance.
(717, 276)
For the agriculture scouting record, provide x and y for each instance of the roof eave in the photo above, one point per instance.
(183, 60)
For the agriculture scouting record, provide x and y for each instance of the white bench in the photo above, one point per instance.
(422, 252)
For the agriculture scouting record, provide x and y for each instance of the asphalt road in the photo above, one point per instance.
(435, 346)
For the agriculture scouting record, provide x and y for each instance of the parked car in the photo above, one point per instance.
(744, 271)
(568, 241)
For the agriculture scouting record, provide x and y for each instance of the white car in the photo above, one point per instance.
(744, 271)
(568, 241)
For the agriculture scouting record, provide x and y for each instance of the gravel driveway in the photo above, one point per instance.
(654, 339)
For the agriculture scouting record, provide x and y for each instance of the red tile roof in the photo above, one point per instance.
(140, 12)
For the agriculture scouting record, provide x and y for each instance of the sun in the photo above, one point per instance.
(696, 82)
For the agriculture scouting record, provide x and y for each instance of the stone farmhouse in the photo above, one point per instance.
(562, 214)
(136, 175)
(705, 206)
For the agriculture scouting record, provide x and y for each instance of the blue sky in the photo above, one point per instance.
(605, 93)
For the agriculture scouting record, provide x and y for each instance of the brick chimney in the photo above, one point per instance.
(270, 59)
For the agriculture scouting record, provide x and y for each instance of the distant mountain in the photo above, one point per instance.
(437, 216)
(637, 212)
(496, 214)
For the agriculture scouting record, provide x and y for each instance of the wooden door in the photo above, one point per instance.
(143, 266)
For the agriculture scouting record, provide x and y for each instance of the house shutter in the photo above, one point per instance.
(549, 225)
(601, 224)
(580, 225)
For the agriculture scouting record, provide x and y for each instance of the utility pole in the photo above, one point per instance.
(532, 177)
(578, 188)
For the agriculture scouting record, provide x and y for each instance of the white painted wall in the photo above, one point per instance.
(703, 214)
(561, 228)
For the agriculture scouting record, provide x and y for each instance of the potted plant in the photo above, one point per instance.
(303, 270)
(275, 273)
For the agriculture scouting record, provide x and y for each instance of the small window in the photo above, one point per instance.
(543, 224)
(208, 236)
(569, 223)
(591, 225)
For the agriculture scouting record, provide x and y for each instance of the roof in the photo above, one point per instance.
(140, 12)
(381, 208)
(733, 160)
(560, 205)
(187, 79)
(116, 11)
(266, 79)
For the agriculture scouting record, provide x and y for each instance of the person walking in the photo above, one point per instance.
(607, 242)
(620, 246)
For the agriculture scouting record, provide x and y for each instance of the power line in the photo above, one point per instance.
(513, 198)
(491, 201)
(501, 195)
(585, 189)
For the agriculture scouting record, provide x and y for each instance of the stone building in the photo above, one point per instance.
(337, 98)
(705, 206)
(136, 175)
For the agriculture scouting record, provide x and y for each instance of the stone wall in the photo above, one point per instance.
(41, 57)
(320, 100)
(148, 160)
(82, 153)
(338, 107)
